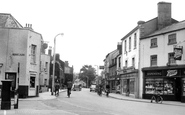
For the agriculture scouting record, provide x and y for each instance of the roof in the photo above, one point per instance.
(172, 28)
(132, 31)
(8, 21)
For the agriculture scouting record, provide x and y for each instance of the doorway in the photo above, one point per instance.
(178, 89)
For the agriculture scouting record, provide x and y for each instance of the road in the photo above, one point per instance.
(89, 103)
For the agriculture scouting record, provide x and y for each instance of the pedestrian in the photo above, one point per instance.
(107, 89)
(69, 86)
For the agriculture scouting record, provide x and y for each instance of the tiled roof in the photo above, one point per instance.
(168, 29)
(8, 21)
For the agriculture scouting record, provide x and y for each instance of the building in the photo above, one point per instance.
(68, 73)
(59, 71)
(45, 70)
(163, 63)
(20, 55)
(131, 78)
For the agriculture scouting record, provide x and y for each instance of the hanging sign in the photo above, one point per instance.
(171, 73)
(178, 52)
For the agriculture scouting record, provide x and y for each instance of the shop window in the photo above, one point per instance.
(124, 86)
(168, 87)
(32, 81)
(153, 86)
(131, 86)
(172, 39)
(153, 59)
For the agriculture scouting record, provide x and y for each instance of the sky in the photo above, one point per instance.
(91, 28)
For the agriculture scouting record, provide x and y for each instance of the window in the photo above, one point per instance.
(32, 81)
(135, 41)
(171, 59)
(163, 86)
(153, 43)
(133, 62)
(129, 43)
(125, 46)
(131, 86)
(153, 59)
(119, 61)
(33, 53)
(46, 66)
(172, 39)
(126, 63)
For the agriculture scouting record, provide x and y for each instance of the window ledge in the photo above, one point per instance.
(33, 63)
(154, 46)
(172, 43)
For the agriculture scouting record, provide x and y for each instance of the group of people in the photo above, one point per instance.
(68, 86)
(100, 88)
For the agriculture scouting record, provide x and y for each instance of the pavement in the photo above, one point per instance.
(127, 98)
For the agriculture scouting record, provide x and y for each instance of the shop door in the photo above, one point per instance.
(11, 76)
(178, 89)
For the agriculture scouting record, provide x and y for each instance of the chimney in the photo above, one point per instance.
(66, 63)
(119, 47)
(49, 50)
(164, 14)
(57, 57)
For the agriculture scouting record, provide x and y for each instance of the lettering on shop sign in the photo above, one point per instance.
(154, 73)
(17, 54)
(171, 73)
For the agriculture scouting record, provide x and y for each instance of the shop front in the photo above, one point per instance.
(129, 83)
(169, 82)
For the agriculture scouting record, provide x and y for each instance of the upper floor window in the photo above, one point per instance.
(129, 43)
(119, 61)
(153, 60)
(126, 63)
(125, 46)
(153, 43)
(171, 59)
(33, 53)
(46, 66)
(172, 39)
(135, 41)
(133, 62)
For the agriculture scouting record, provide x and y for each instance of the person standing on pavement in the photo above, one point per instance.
(107, 89)
(69, 86)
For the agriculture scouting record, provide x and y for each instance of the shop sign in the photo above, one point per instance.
(171, 73)
(154, 73)
(18, 54)
(178, 52)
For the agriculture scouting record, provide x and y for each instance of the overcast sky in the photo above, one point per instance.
(92, 28)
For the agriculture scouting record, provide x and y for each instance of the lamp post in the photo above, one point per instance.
(53, 77)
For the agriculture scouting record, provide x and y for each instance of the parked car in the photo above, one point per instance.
(77, 88)
(93, 88)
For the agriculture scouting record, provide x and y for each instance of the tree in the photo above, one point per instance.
(87, 74)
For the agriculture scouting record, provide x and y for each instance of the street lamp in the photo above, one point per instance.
(54, 62)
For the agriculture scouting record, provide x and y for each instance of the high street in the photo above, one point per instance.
(89, 103)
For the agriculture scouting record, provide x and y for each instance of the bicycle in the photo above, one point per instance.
(157, 97)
